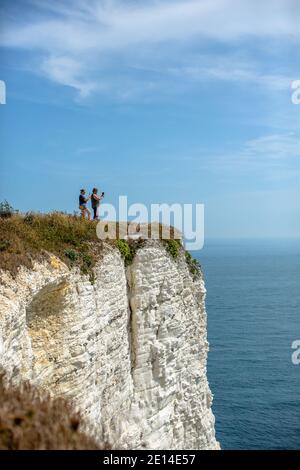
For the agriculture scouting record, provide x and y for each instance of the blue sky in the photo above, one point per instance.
(162, 101)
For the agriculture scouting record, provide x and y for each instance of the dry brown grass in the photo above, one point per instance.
(73, 239)
(31, 420)
(25, 238)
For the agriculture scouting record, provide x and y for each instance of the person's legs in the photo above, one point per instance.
(95, 213)
(87, 211)
(82, 210)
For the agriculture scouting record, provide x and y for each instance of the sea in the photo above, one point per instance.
(253, 310)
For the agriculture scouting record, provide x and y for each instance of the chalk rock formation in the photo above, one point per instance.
(129, 349)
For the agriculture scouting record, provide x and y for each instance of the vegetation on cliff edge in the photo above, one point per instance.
(31, 420)
(24, 238)
(29, 237)
(175, 248)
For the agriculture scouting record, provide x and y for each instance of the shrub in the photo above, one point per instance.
(193, 265)
(173, 247)
(86, 260)
(127, 251)
(4, 244)
(29, 218)
(6, 210)
(71, 254)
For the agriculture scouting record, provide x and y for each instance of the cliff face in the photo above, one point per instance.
(130, 350)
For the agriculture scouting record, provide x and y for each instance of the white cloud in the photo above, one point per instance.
(87, 39)
(68, 71)
(276, 147)
(85, 25)
(87, 150)
(233, 71)
(271, 157)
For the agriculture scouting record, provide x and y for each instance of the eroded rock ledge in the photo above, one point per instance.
(129, 349)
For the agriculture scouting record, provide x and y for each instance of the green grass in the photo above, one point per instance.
(125, 250)
(173, 247)
(193, 265)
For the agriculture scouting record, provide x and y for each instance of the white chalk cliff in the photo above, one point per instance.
(130, 350)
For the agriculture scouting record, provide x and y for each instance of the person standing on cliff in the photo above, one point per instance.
(82, 204)
(95, 200)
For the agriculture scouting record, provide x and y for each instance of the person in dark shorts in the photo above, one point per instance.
(82, 204)
(95, 200)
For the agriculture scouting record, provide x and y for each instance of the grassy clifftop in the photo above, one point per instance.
(24, 238)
